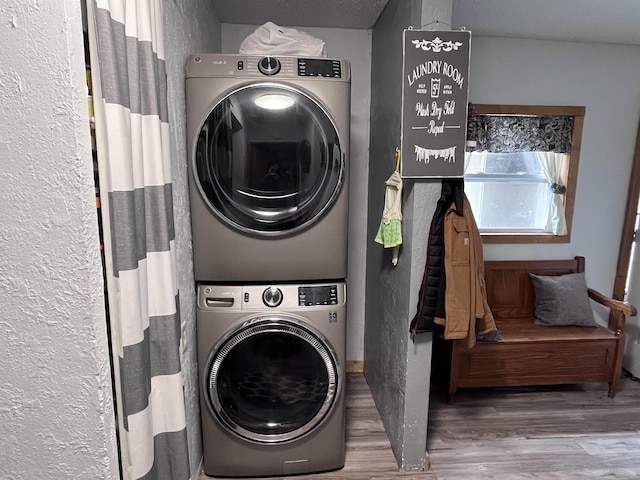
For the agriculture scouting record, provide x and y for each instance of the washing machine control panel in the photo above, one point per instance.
(318, 295)
(254, 298)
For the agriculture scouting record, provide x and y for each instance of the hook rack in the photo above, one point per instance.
(453, 27)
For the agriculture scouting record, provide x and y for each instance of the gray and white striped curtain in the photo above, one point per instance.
(132, 133)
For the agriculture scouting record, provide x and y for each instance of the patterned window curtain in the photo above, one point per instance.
(509, 134)
(132, 135)
(548, 136)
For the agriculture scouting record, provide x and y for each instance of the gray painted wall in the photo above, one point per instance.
(601, 77)
(56, 411)
(387, 296)
(355, 46)
(397, 367)
(190, 27)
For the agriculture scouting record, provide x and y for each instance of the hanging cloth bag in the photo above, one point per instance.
(390, 231)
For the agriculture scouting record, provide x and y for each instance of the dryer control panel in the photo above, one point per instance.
(313, 67)
(210, 65)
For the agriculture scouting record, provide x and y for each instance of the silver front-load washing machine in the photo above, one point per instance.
(268, 141)
(271, 363)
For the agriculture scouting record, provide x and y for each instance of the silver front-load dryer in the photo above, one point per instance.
(268, 141)
(271, 363)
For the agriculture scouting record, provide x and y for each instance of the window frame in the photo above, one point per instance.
(570, 173)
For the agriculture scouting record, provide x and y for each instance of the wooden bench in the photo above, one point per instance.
(533, 354)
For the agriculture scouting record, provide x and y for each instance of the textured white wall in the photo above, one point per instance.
(56, 412)
(190, 27)
(604, 79)
(355, 46)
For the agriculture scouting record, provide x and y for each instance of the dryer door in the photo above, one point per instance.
(269, 160)
(272, 380)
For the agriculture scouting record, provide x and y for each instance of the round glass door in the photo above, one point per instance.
(272, 380)
(268, 160)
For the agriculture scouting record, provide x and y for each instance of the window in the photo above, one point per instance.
(520, 177)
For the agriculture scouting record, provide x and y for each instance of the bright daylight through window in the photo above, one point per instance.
(521, 173)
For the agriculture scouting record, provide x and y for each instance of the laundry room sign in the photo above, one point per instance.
(434, 103)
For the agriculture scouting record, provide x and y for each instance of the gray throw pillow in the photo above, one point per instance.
(562, 300)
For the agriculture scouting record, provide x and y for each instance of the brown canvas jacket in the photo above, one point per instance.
(467, 310)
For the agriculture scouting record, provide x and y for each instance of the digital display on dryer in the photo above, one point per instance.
(322, 295)
(308, 67)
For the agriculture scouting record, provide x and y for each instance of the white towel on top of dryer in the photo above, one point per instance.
(275, 40)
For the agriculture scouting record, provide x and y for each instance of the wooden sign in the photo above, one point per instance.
(434, 103)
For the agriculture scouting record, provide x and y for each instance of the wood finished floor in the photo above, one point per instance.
(369, 455)
(561, 432)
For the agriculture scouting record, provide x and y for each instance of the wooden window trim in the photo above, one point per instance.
(571, 174)
(628, 234)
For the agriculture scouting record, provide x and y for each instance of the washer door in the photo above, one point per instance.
(269, 160)
(272, 380)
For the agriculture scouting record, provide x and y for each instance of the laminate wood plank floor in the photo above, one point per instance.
(369, 455)
(558, 432)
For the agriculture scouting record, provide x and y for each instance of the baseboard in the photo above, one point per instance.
(354, 366)
(199, 471)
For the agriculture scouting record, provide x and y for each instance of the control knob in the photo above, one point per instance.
(269, 65)
(272, 297)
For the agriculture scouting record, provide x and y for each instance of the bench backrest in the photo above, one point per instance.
(509, 288)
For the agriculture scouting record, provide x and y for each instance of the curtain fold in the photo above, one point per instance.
(132, 136)
(475, 161)
(552, 164)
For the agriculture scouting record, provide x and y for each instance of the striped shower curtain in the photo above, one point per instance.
(132, 135)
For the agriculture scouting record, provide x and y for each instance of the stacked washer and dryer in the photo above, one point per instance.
(268, 147)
